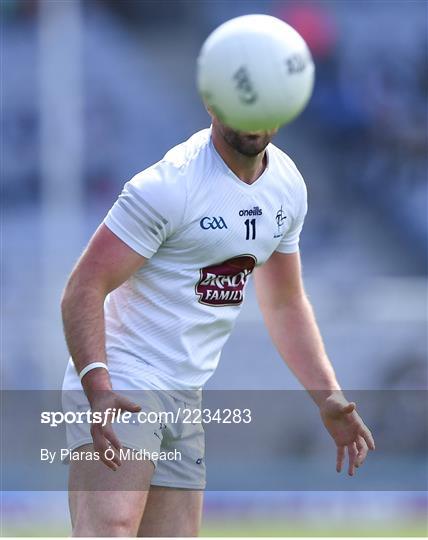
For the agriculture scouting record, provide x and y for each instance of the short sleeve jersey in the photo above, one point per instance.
(203, 231)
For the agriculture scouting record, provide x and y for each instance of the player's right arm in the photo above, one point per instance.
(104, 265)
(149, 209)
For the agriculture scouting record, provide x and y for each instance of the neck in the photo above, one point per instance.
(246, 168)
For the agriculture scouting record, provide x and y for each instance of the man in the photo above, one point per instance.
(151, 303)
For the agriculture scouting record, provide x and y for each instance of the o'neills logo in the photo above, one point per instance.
(256, 211)
(223, 284)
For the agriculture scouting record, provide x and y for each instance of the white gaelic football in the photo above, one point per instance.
(255, 72)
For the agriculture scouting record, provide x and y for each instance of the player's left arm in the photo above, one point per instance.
(292, 326)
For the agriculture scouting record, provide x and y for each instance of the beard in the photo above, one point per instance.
(248, 144)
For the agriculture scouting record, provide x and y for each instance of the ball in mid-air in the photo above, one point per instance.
(255, 73)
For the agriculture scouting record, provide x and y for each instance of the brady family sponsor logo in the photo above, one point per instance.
(212, 223)
(223, 284)
(256, 211)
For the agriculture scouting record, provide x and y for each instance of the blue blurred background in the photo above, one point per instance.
(94, 91)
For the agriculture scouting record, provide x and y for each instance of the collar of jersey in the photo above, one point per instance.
(243, 185)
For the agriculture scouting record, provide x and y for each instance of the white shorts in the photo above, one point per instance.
(179, 445)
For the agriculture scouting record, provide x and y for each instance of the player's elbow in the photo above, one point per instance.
(69, 295)
(79, 288)
(293, 300)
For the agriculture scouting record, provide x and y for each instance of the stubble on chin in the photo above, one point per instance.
(246, 144)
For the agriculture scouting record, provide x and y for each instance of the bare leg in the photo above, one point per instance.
(107, 503)
(172, 512)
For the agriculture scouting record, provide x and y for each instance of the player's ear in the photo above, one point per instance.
(213, 115)
(208, 109)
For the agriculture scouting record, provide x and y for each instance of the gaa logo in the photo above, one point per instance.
(223, 284)
(212, 223)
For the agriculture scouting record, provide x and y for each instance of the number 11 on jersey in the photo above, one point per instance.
(250, 226)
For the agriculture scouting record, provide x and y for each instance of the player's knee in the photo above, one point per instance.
(113, 524)
(192, 531)
(120, 526)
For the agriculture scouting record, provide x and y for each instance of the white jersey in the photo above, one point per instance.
(203, 231)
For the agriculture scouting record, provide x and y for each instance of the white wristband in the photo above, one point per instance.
(90, 367)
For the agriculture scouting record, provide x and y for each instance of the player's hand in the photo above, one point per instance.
(348, 431)
(103, 436)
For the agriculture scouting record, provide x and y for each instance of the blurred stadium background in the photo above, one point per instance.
(94, 91)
